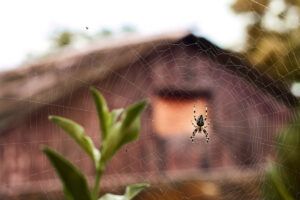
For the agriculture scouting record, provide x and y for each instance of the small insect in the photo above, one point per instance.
(87, 28)
(200, 125)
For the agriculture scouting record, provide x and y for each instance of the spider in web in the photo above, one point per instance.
(200, 125)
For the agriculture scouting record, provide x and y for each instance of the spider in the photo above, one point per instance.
(200, 126)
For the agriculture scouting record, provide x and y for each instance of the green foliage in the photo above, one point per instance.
(103, 114)
(74, 183)
(128, 29)
(77, 133)
(114, 115)
(125, 131)
(63, 39)
(282, 179)
(273, 42)
(114, 135)
(131, 191)
(105, 33)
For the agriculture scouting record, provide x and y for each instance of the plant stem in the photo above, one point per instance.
(97, 184)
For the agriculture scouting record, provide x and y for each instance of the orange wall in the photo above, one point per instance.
(173, 117)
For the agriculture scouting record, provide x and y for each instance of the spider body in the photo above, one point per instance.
(200, 121)
(200, 125)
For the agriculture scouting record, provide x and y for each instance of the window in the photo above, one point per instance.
(173, 116)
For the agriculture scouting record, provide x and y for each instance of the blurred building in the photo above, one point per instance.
(174, 71)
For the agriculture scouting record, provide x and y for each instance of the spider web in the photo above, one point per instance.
(231, 165)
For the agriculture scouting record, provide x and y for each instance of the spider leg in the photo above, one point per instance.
(205, 113)
(206, 125)
(193, 135)
(193, 124)
(195, 113)
(206, 135)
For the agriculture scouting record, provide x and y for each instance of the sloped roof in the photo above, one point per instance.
(34, 85)
(237, 64)
(46, 81)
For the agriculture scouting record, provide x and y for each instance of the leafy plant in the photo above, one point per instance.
(115, 133)
(282, 180)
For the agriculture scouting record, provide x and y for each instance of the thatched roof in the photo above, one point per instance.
(34, 85)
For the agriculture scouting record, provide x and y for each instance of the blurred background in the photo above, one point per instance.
(238, 58)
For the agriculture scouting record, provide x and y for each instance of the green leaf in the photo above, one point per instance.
(115, 114)
(103, 113)
(123, 132)
(131, 192)
(77, 133)
(132, 112)
(74, 183)
(112, 197)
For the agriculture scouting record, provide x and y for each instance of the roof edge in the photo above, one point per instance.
(232, 61)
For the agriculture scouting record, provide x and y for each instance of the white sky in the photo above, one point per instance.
(27, 25)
